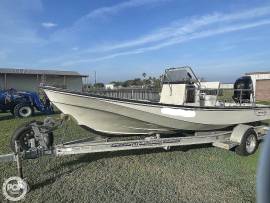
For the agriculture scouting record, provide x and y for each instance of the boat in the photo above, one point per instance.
(184, 105)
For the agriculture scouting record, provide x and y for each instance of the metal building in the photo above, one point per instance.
(30, 80)
(261, 81)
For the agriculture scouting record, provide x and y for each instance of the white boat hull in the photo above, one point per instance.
(125, 117)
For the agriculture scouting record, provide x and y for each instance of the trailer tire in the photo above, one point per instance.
(249, 143)
(23, 110)
(24, 133)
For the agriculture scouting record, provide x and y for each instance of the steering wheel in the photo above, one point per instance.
(263, 176)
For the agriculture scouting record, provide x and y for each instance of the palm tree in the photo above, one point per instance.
(144, 75)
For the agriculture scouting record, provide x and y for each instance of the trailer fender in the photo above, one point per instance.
(238, 133)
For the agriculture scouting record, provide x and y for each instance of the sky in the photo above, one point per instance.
(121, 39)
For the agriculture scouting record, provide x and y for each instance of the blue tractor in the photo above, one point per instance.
(24, 104)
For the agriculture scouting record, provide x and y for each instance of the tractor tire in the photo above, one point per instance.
(24, 133)
(23, 110)
(249, 143)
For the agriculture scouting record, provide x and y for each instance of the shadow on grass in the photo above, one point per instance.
(51, 179)
(87, 158)
(43, 183)
(107, 155)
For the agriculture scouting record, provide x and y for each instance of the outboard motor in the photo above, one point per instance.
(243, 88)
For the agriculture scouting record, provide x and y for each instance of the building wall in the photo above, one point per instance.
(55, 81)
(261, 83)
(210, 85)
(2, 82)
(74, 83)
(109, 86)
(263, 90)
(24, 82)
(226, 86)
(256, 77)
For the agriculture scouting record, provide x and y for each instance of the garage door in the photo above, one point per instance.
(263, 90)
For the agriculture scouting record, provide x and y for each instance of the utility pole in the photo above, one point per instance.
(95, 77)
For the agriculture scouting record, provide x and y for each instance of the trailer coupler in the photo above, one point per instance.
(19, 156)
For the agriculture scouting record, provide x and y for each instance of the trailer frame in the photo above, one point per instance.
(222, 139)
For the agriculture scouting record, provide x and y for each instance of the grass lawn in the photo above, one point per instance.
(264, 102)
(194, 174)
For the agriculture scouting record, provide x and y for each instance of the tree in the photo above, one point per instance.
(144, 75)
(117, 83)
(99, 85)
(151, 82)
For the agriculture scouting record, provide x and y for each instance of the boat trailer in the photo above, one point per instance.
(38, 141)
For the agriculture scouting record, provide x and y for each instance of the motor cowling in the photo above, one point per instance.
(243, 89)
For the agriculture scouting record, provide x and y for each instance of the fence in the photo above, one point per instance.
(225, 95)
(136, 94)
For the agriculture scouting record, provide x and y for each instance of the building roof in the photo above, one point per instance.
(256, 73)
(39, 72)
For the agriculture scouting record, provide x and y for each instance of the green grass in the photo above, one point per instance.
(226, 95)
(194, 174)
(264, 102)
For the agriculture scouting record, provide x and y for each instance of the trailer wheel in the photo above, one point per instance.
(249, 143)
(24, 134)
(23, 110)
